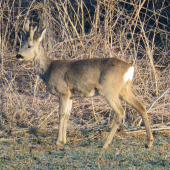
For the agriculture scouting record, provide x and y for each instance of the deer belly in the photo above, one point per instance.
(84, 92)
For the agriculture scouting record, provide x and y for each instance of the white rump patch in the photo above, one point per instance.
(129, 74)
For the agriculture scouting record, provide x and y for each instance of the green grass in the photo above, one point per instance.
(125, 152)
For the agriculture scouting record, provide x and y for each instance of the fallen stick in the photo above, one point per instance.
(157, 129)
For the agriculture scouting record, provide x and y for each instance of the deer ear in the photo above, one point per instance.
(27, 25)
(23, 34)
(42, 35)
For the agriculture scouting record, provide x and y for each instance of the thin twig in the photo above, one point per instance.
(157, 99)
(152, 104)
(47, 117)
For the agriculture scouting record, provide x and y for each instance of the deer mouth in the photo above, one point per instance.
(19, 57)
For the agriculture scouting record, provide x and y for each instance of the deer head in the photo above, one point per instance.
(30, 48)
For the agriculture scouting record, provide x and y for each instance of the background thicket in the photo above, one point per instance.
(135, 31)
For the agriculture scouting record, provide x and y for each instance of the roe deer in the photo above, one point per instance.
(108, 77)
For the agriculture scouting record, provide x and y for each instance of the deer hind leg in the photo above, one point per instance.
(120, 113)
(64, 113)
(127, 95)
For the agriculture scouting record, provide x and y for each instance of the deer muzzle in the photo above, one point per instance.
(19, 57)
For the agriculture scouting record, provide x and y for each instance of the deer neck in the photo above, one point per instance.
(42, 63)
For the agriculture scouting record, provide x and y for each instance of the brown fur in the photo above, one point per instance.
(83, 78)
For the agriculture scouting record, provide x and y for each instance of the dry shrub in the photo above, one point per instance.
(135, 31)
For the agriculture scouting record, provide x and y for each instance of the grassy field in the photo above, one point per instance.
(36, 149)
(137, 32)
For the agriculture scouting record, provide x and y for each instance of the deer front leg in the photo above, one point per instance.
(66, 118)
(64, 112)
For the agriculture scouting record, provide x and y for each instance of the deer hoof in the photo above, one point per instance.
(105, 146)
(59, 144)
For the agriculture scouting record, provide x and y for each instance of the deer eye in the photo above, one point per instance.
(29, 46)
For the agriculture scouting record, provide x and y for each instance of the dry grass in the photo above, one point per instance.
(135, 32)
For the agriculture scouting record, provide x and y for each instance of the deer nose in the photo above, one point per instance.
(19, 57)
